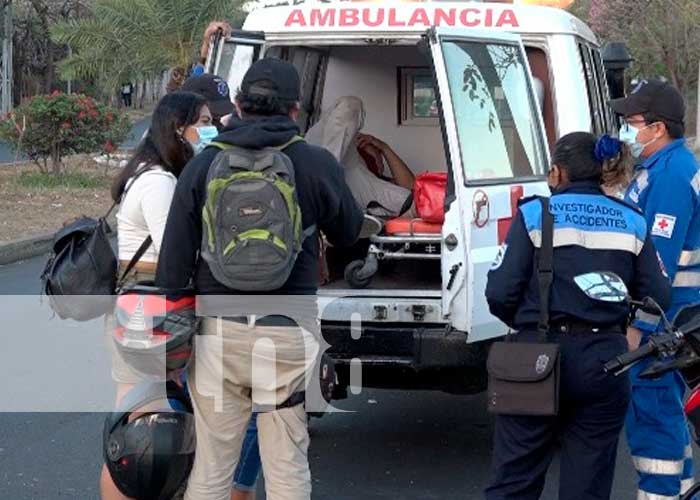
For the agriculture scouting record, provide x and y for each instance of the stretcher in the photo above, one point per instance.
(401, 238)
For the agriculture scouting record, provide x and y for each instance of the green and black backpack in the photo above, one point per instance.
(252, 227)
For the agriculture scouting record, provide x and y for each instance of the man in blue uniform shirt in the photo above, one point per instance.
(665, 186)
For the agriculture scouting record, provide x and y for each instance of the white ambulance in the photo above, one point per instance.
(478, 90)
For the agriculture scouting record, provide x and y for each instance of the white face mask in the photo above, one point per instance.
(628, 134)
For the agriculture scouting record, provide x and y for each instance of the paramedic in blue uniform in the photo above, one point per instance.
(665, 187)
(592, 232)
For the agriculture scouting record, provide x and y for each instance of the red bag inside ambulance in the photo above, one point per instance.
(429, 196)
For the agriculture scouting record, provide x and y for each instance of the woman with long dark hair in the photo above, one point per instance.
(145, 190)
(145, 187)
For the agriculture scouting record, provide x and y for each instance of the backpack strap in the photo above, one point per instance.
(293, 140)
(137, 257)
(146, 243)
(224, 146)
(221, 145)
(139, 172)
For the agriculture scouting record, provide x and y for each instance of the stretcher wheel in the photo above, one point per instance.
(352, 274)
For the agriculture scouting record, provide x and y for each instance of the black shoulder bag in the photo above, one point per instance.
(524, 377)
(80, 278)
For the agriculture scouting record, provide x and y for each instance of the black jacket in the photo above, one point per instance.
(324, 198)
(592, 232)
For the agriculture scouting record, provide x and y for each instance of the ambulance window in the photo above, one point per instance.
(495, 111)
(417, 97)
(309, 62)
(608, 114)
(539, 65)
(235, 61)
(594, 96)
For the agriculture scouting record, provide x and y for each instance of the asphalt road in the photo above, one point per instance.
(395, 445)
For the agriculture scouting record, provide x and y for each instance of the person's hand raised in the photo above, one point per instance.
(365, 140)
(215, 26)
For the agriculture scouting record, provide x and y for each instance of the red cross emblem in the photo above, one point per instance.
(663, 225)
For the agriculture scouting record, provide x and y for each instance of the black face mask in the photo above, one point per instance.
(217, 123)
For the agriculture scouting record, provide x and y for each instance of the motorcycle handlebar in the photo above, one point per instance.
(628, 358)
(666, 343)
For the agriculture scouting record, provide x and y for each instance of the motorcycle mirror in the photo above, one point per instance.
(688, 318)
(602, 286)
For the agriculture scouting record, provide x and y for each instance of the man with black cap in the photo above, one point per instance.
(216, 91)
(225, 386)
(666, 187)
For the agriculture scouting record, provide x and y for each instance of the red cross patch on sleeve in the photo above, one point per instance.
(663, 225)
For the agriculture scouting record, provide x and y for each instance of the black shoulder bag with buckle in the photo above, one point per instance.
(524, 377)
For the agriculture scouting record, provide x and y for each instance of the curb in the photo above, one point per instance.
(17, 250)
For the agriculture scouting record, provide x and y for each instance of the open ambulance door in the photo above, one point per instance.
(497, 153)
(231, 57)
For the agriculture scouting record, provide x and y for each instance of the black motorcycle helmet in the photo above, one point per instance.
(150, 456)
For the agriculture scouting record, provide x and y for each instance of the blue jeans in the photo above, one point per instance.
(249, 465)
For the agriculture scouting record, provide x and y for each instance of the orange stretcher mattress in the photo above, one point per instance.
(404, 226)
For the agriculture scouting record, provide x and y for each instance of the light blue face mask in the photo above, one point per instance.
(628, 135)
(206, 135)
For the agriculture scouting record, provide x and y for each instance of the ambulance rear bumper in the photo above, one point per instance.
(409, 346)
(427, 357)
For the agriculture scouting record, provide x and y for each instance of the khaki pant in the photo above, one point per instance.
(235, 367)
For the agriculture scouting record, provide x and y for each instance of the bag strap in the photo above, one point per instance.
(224, 146)
(139, 173)
(221, 145)
(146, 243)
(293, 140)
(545, 274)
(137, 257)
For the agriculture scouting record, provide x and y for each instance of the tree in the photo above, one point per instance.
(662, 35)
(581, 9)
(128, 40)
(34, 54)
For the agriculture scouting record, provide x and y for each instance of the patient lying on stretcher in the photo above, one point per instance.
(364, 158)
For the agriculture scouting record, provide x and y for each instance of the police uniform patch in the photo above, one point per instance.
(663, 225)
(499, 258)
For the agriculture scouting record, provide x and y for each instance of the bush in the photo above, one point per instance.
(51, 126)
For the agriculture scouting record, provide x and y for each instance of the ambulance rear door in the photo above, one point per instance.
(231, 57)
(497, 153)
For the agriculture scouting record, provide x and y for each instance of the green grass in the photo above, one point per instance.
(78, 180)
